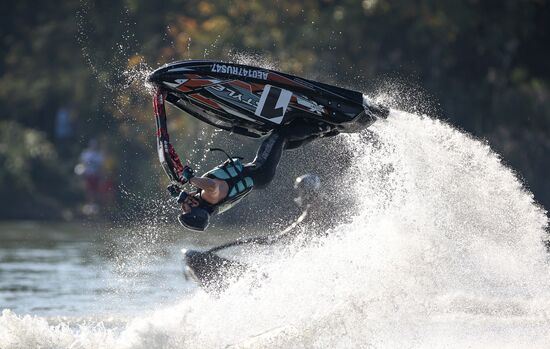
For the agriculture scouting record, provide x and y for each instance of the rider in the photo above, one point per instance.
(228, 183)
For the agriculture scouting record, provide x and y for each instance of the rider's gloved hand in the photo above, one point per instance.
(181, 197)
(187, 174)
(174, 190)
(333, 132)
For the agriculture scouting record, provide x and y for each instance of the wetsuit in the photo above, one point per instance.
(241, 179)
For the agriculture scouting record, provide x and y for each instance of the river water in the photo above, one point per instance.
(444, 249)
(77, 269)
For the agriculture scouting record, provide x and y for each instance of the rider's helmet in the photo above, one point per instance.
(307, 188)
(196, 219)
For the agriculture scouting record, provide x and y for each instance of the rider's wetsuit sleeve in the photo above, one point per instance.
(263, 168)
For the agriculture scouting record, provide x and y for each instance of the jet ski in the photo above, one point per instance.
(251, 101)
(254, 101)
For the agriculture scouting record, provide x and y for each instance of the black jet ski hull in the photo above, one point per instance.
(254, 101)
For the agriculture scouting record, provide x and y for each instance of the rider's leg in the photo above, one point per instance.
(263, 168)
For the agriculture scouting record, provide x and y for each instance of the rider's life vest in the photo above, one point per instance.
(231, 171)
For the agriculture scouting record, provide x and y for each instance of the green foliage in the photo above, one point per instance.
(485, 62)
(20, 150)
(31, 178)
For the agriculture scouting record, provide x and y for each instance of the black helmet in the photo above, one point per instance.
(307, 187)
(197, 219)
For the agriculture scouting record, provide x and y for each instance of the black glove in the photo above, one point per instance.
(333, 132)
(181, 197)
(174, 190)
(187, 174)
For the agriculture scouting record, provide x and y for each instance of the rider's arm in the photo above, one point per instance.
(205, 184)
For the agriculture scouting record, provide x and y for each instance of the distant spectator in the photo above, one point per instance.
(91, 168)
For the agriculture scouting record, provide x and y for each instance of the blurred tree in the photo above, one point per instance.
(485, 62)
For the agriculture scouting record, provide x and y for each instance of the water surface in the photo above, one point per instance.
(78, 269)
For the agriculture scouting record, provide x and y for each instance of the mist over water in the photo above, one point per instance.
(446, 251)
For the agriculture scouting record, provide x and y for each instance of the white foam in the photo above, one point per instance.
(446, 252)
